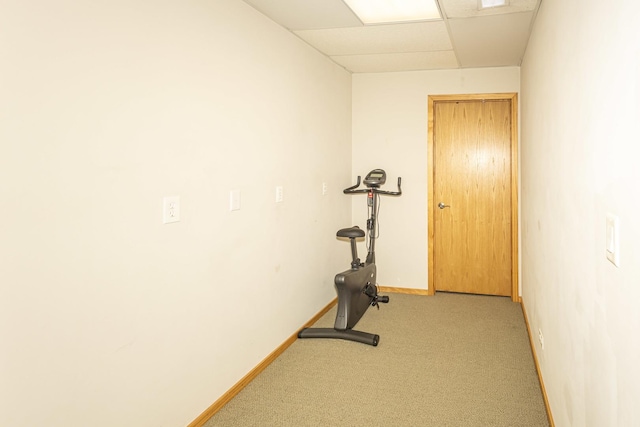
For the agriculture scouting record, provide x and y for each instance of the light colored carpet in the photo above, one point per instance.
(445, 360)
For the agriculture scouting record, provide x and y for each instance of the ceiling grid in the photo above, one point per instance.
(465, 37)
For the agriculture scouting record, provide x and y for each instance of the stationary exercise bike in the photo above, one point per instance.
(356, 287)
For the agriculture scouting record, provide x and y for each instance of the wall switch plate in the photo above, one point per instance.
(279, 194)
(613, 239)
(324, 189)
(234, 200)
(541, 339)
(170, 209)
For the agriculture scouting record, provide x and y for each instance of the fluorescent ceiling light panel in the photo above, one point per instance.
(485, 4)
(379, 11)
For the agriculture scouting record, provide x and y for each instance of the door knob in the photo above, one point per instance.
(442, 205)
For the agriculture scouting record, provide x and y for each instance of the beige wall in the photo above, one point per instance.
(390, 132)
(580, 125)
(107, 316)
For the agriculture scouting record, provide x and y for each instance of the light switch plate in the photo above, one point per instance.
(234, 200)
(613, 239)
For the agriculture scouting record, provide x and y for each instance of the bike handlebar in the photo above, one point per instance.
(354, 189)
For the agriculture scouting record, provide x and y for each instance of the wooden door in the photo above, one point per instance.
(472, 197)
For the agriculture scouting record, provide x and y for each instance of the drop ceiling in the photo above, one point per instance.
(465, 37)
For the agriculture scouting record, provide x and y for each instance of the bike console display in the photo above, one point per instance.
(373, 181)
(375, 178)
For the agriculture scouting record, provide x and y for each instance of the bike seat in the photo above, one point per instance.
(351, 232)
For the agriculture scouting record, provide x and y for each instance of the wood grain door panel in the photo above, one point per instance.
(472, 175)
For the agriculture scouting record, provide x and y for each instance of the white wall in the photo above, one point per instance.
(580, 109)
(107, 316)
(390, 132)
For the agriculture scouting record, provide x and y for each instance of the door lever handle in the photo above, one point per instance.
(442, 205)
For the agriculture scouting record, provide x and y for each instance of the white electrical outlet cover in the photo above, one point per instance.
(170, 209)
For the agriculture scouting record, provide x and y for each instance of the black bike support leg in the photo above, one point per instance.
(347, 334)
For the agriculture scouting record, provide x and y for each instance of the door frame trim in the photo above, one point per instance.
(513, 97)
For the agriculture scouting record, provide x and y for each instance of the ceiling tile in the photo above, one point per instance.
(414, 37)
(469, 8)
(491, 41)
(390, 62)
(307, 14)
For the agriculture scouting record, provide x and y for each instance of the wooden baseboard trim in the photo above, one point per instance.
(237, 388)
(535, 360)
(409, 291)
